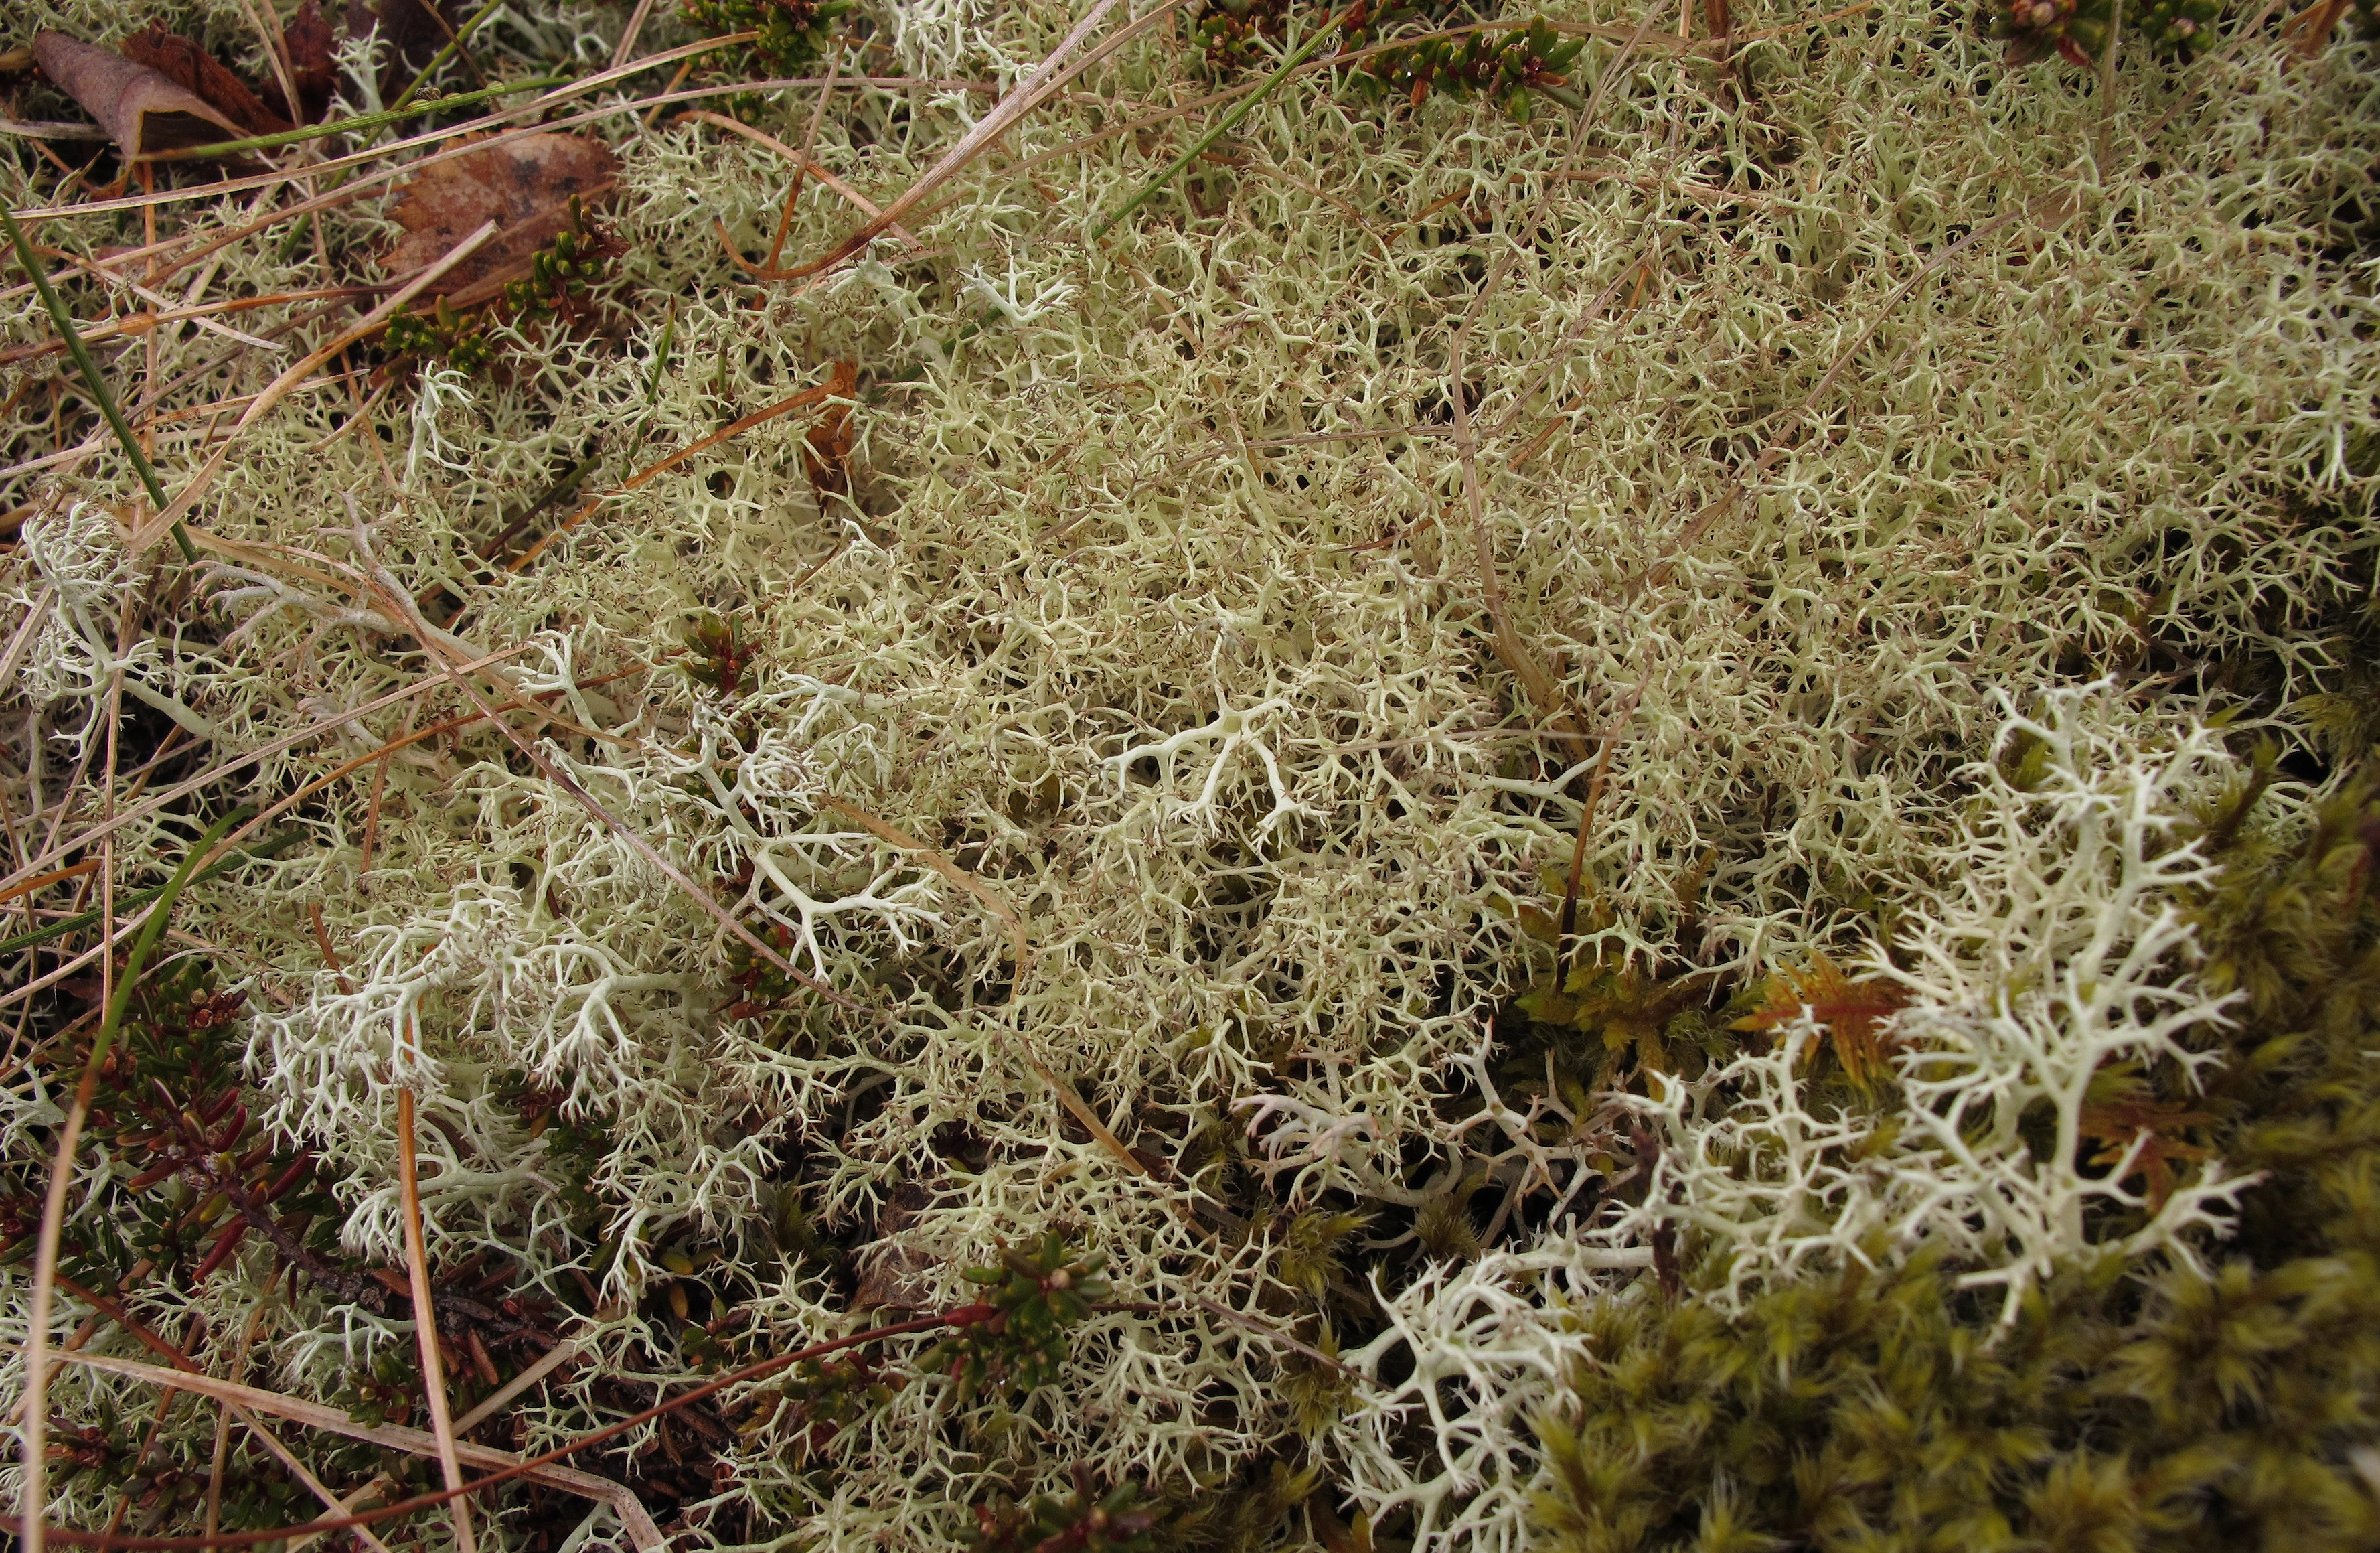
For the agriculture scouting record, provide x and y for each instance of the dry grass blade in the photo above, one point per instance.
(810, 154)
(815, 394)
(628, 34)
(216, 773)
(195, 247)
(348, 1504)
(223, 1417)
(425, 1318)
(22, 637)
(802, 163)
(1241, 1319)
(537, 1468)
(1567, 922)
(297, 1469)
(413, 1442)
(993, 901)
(1535, 680)
(552, 1359)
(54, 877)
(1028, 95)
(230, 1409)
(420, 142)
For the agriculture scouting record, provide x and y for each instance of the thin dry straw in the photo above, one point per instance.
(280, 386)
(519, 1469)
(269, 847)
(356, 125)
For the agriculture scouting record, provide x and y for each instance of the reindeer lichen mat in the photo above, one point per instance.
(1149, 776)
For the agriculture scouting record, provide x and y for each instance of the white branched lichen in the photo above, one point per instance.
(2056, 954)
(1481, 1350)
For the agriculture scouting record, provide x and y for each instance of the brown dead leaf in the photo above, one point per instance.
(192, 69)
(411, 31)
(305, 43)
(2311, 28)
(826, 451)
(142, 111)
(523, 186)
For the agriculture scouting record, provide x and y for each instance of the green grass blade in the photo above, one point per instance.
(269, 846)
(360, 123)
(152, 930)
(92, 378)
(453, 44)
(1329, 28)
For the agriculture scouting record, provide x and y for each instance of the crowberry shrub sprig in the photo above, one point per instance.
(386, 1391)
(575, 1149)
(2076, 31)
(1084, 1522)
(198, 1168)
(1015, 1340)
(793, 33)
(766, 988)
(1233, 35)
(822, 1398)
(720, 652)
(98, 1447)
(559, 277)
(460, 340)
(559, 273)
(1512, 71)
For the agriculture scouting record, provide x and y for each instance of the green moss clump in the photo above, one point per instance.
(1885, 1413)
(2176, 1411)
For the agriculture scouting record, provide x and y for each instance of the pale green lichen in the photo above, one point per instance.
(1108, 618)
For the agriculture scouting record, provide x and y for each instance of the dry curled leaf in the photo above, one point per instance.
(826, 451)
(410, 33)
(183, 62)
(306, 43)
(523, 186)
(2311, 28)
(143, 112)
